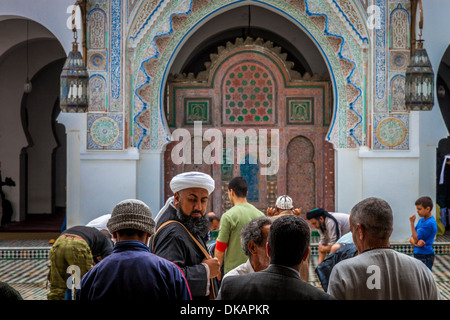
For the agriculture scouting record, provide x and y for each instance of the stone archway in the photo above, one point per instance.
(249, 86)
(43, 160)
(343, 43)
(34, 192)
(158, 32)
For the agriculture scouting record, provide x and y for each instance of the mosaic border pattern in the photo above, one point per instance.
(113, 136)
(24, 253)
(385, 137)
(154, 29)
(43, 253)
(150, 49)
(116, 56)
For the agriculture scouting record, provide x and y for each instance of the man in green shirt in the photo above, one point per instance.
(228, 244)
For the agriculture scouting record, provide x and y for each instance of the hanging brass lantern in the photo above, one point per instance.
(419, 87)
(74, 79)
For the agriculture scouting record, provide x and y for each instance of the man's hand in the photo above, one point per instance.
(271, 212)
(323, 248)
(412, 219)
(214, 267)
(297, 211)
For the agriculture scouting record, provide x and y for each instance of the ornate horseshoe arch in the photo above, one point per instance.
(249, 86)
(157, 33)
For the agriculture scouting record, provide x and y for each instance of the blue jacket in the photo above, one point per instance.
(132, 272)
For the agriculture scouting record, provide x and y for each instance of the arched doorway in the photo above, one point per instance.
(300, 172)
(155, 52)
(43, 160)
(32, 145)
(249, 86)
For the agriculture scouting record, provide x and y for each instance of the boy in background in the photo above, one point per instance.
(424, 232)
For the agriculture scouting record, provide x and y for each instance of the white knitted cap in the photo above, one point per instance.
(284, 203)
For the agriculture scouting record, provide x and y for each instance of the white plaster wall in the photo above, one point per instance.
(348, 179)
(105, 181)
(392, 178)
(150, 177)
(50, 13)
(73, 124)
(396, 181)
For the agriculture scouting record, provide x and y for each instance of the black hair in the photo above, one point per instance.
(425, 201)
(212, 217)
(130, 232)
(320, 212)
(239, 186)
(8, 293)
(289, 238)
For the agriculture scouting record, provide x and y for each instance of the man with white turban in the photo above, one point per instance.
(181, 228)
(192, 179)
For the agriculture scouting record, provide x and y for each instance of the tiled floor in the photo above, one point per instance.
(29, 276)
(25, 243)
(443, 238)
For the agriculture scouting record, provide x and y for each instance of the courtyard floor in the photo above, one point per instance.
(24, 265)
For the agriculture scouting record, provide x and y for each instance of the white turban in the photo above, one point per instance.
(100, 222)
(192, 179)
(186, 180)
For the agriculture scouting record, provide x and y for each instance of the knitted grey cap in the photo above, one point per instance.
(131, 214)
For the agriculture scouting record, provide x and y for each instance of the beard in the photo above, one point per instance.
(196, 226)
(322, 227)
